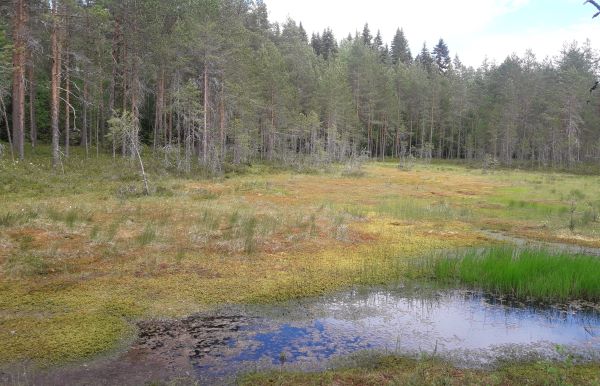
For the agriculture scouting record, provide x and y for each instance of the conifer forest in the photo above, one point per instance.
(214, 82)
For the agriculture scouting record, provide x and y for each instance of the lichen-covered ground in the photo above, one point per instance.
(83, 256)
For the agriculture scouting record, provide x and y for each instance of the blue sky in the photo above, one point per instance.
(475, 29)
(540, 13)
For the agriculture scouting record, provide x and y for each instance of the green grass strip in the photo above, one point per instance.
(522, 273)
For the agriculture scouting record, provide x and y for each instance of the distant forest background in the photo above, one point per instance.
(207, 83)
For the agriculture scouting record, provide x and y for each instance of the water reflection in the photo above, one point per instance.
(468, 328)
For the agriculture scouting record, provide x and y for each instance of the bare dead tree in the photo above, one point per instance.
(126, 129)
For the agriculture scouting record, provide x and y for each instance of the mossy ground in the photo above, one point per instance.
(392, 370)
(83, 255)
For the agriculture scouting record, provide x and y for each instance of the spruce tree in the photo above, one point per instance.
(303, 35)
(378, 41)
(367, 38)
(441, 54)
(400, 52)
(328, 44)
(315, 42)
(424, 58)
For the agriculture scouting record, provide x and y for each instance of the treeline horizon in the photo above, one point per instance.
(210, 82)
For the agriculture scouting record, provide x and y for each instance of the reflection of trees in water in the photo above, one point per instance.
(574, 312)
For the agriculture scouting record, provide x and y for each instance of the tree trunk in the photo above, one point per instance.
(55, 83)
(19, 63)
(32, 111)
(271, 135)
(10, 143)
(67, 104)
(159, 103)
(84, 128)
(205, 133)
(222, 121)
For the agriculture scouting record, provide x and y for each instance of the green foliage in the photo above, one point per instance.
(270, 95)
(5, 51)
(524, 274)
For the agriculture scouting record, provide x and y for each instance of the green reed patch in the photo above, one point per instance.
(523, 273)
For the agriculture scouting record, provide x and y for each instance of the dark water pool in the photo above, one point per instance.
(469, 329)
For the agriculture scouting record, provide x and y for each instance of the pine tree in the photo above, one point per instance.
(259, 18)
(384, 53)
(20, 18)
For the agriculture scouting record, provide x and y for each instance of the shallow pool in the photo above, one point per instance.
(469, 329)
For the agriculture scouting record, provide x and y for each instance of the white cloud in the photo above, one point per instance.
(462, 23)
(544, 42)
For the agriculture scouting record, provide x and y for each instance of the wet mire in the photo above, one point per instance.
(469, 329)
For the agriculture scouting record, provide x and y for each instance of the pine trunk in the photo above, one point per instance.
(32, 110)
(18, 89)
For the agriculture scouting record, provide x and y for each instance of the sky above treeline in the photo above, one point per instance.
(473, 29)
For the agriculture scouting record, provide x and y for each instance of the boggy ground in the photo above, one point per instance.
(83, 256)
(392, 370)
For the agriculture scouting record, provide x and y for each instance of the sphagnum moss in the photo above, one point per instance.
(103, 275)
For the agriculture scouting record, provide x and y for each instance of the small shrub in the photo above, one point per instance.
(163, 191)
(128, 191)
(204, 194)
(356, 212)
(340, 228)
(490, 163)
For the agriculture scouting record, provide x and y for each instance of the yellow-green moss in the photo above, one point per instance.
(258, 237)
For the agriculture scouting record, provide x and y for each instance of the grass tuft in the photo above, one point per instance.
(26, 265)
(147, 236)
(377, 369)
(524, 274)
